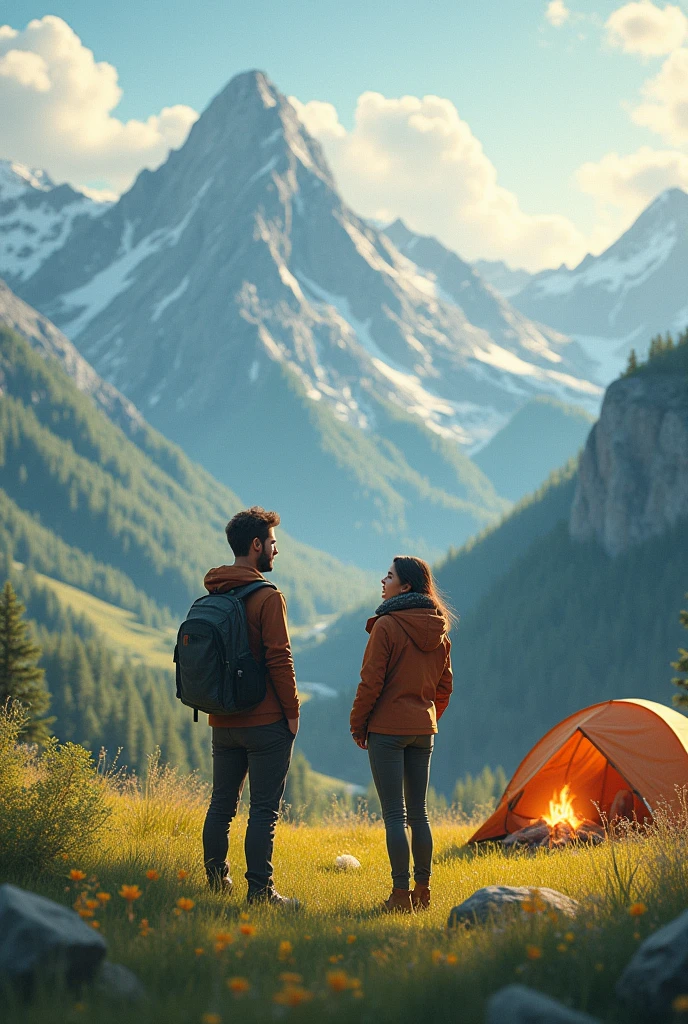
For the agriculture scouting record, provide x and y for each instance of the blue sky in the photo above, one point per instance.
(542, 99)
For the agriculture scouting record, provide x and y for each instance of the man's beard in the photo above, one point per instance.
(264, 563)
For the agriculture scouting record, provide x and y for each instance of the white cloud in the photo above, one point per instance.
(631, 182)
(644, 28)
(57, 104)
(557, 13)
(666, 108)
(416, 158)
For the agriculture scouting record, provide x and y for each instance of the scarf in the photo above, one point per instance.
(402, 602)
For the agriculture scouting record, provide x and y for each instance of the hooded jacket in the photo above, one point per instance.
(268, 638)
(406, 677)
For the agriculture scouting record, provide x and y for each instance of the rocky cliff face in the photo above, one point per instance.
(633, 478)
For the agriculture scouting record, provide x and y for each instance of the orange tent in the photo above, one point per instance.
(634, 745)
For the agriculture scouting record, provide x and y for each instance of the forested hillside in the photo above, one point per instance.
(146, 512)
(548, 625)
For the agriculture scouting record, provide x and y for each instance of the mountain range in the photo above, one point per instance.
(620, 299)
(288, 346)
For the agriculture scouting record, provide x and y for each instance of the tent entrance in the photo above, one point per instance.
(591, 777)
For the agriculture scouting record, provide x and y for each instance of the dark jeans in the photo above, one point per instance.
(264, 753)
(401, 771)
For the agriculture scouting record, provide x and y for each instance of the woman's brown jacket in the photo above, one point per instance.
(406, 677)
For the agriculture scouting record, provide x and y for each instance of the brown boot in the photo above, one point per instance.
(398, 903)
(420, 897)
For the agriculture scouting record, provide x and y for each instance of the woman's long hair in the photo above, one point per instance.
(418, 575)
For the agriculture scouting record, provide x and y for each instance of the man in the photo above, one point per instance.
(258, 742)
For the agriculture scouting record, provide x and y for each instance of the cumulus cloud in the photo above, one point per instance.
(642, 27)
(557, 13)
(665, 109)
(416, 158)
(57, 104)
(631, 182)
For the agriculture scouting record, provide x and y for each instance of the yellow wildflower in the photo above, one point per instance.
(130, 893)
(338, 981)
(199, 951)
(184, 903)
(103, 897)
(76, 875)
(247, 929)
(92, 904)
(335, 958)
(570, 937)
(182, 874)
(562, 947)
(533, 952)
(211, 1018)
(285, 949)
(238, 986)
(680, 1004)
(637, 909)
(292, 995)
(153, 876)
(437, 956)
(350, 939)
(84, 912)
(452, 958)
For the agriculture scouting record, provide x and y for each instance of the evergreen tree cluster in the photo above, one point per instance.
(659, 347)
(681, 666)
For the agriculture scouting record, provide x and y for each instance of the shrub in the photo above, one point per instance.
(53, 803)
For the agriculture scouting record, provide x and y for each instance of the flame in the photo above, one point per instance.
(561, 810)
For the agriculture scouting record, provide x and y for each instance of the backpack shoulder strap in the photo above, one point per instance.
(250, 588)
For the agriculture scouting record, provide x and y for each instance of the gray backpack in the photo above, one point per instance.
(216, 672)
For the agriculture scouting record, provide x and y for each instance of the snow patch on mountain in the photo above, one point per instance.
(161, 306)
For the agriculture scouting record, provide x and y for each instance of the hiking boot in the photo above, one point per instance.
(272, 898)
(221, 884)
(398, 903)
(420, 897)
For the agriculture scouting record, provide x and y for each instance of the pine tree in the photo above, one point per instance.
(681, 681)
(20, 677)
(632, 363)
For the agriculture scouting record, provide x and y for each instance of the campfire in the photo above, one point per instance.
(560, 827)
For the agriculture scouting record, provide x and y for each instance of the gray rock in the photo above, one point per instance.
(633, 475)
(40, 938)
(495, 900)
(517, 1004)
(658, 970)
(119, 983)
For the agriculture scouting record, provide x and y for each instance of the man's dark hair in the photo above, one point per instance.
(245, 526)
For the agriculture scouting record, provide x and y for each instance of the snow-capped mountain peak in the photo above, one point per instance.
(36, 218)
(621, 298)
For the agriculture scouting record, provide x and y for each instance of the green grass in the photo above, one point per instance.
(120, 629)
(392, 968)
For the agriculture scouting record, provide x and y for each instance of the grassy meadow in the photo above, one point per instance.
(210, 959)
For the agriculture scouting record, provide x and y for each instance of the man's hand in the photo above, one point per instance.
(360, 741)
(293, 724)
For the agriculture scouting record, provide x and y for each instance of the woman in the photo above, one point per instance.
(406, 682)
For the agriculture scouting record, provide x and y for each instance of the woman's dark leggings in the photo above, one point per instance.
(401, 771)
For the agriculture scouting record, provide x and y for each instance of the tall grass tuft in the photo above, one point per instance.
(53, 803)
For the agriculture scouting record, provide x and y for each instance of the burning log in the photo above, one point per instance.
(559, 828)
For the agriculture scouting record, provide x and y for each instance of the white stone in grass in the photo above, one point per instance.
(345, 862)
(518, 1004)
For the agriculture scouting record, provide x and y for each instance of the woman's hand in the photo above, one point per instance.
(360, 741)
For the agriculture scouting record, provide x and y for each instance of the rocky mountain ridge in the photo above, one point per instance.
(633, 474)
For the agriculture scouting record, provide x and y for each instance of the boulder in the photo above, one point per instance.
(517, 1004)
(345, 862)
(41, 938)
(658, 971)
(495, 900)
(119, 983)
